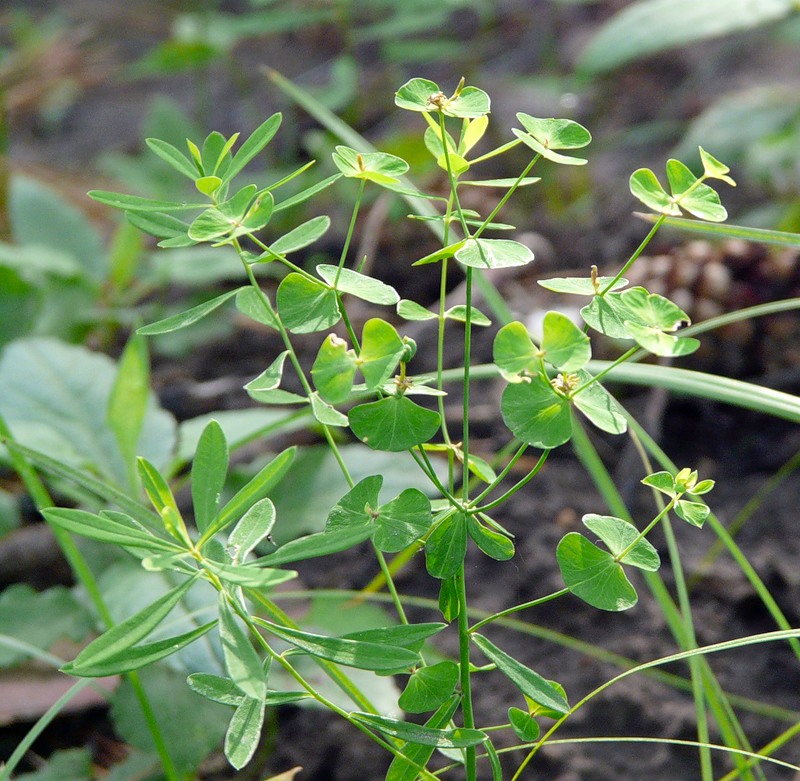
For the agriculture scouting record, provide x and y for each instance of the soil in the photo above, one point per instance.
(61, 142)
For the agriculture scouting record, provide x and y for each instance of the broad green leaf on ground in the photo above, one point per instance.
(600, 406)
(495, 545)
(460, 737)
(393, 423)
(359, 285)
(334, 369)
(564, 345)
(649, 26)
(429, 687)
(535, 413)
(379, 167)
(446, 547)
(243, 664)
(351, 653)
(188, 317)
(381, 350)
(493, 253)
(525, 727)
(618, 535)
(581, 286)
(300, 237)
(305, 305)
(530, 683)
(244, 732)
(55, 398)
(171, 700)
(59, 615)
(593, 575)
(209, 470)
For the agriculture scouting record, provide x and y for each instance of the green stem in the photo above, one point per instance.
(502, 476)
(511, 491)
(658, 223)
(350, 230)
(387, 575)
(597, 377)
(464, 671)
(524, 606)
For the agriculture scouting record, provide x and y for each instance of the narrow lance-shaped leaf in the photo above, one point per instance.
(257, 140)
(187, 318)
(254, 526)
(209, 470)
(244, 732)
(460, 737)
(242, 662)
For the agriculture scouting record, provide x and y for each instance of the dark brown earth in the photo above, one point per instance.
(522, 54)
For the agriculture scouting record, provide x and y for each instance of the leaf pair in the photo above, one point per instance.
(684, 483)
(545, 136)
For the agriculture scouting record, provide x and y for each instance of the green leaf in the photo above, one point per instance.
(242, 663)
(525, 727)
(313, 546)
(334, 370)
(618, 534)
(530, 683)
(580, 286)
(546, 135)
(402, 520)
(378, 167)
(209, 470)
(607, 315)
(251, 303)
(652, 309)
(252, 528)
(356, 508)
(714, 169)
(118, 529)
(704, 203)
(301, 236)
(481, 468)
(271, 377)
(189, 317)
(255, 490)
(514, 351)
(156, 487)
(257, 140)
(536, 414)
(657, 342)
(414, 95)
(246, 212)
(661, 481)
(446, 547)
(468, 103)
(215, 688)
(650, 26)
(503, 184)
(244, 732)
(449, 604)
(694, 513)
(415, 733)
(113, 645)
(135, 203)
(592, 574)
(250, 575)
(174, 157)
(305, 305)
(429, 687)
(495, 545)
(564, 344)
(414, 755)
(393, 423)
(411, 636)
(208, 185)
(326, 413)
(459, 314)
(600, 406)
(645, 186)
(351, 653)
(441, 254)
(493, 253)
(359, 285)
(411, 310)
(381, 350)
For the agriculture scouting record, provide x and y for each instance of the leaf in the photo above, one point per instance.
(546, 135)
(714, 169)
(657, 342)
(255, 142)
(173, 157)
(252, 304)
(514, 351)
(446, 547)
(468, 103)
(378, 167)
(244, 732)
(381, 350)
(581, 286)
(209, 470)
(493, 253)
(704, 203)
(252, 528)
(418, 734)
(564, 344)
(645, 186)
(414, 95)
(495, 545)
(459, 314)
(350, 653)
(187, 318)
(536, 414)
(600, 406)
(334, 370)
(441, 254)
(325, 413)
(359, 285)
(117, 529)
(401, 521)
(606, 315)
(250, 575)
(429, 687)
(694, 513)
(592, 574)
(502, 184)
(530, 683)
(271, 377)
(650, 26)
(411, 310)
(394, 423)
(305, 305)
(355, 509)
(411, 636)
(525, 727)
(242, 663)
(215, 688)
(113, 644)
(618, 534)
(661, 481)
(316, 545)
(301, 236)
(135, 203)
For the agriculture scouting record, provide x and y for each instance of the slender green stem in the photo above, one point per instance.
(516, 608)
(467, 355)
(387, 575)
(350, 229)
(506, 469)
(521, 484)
(639, 250)
(464, 671)
(597, 377)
